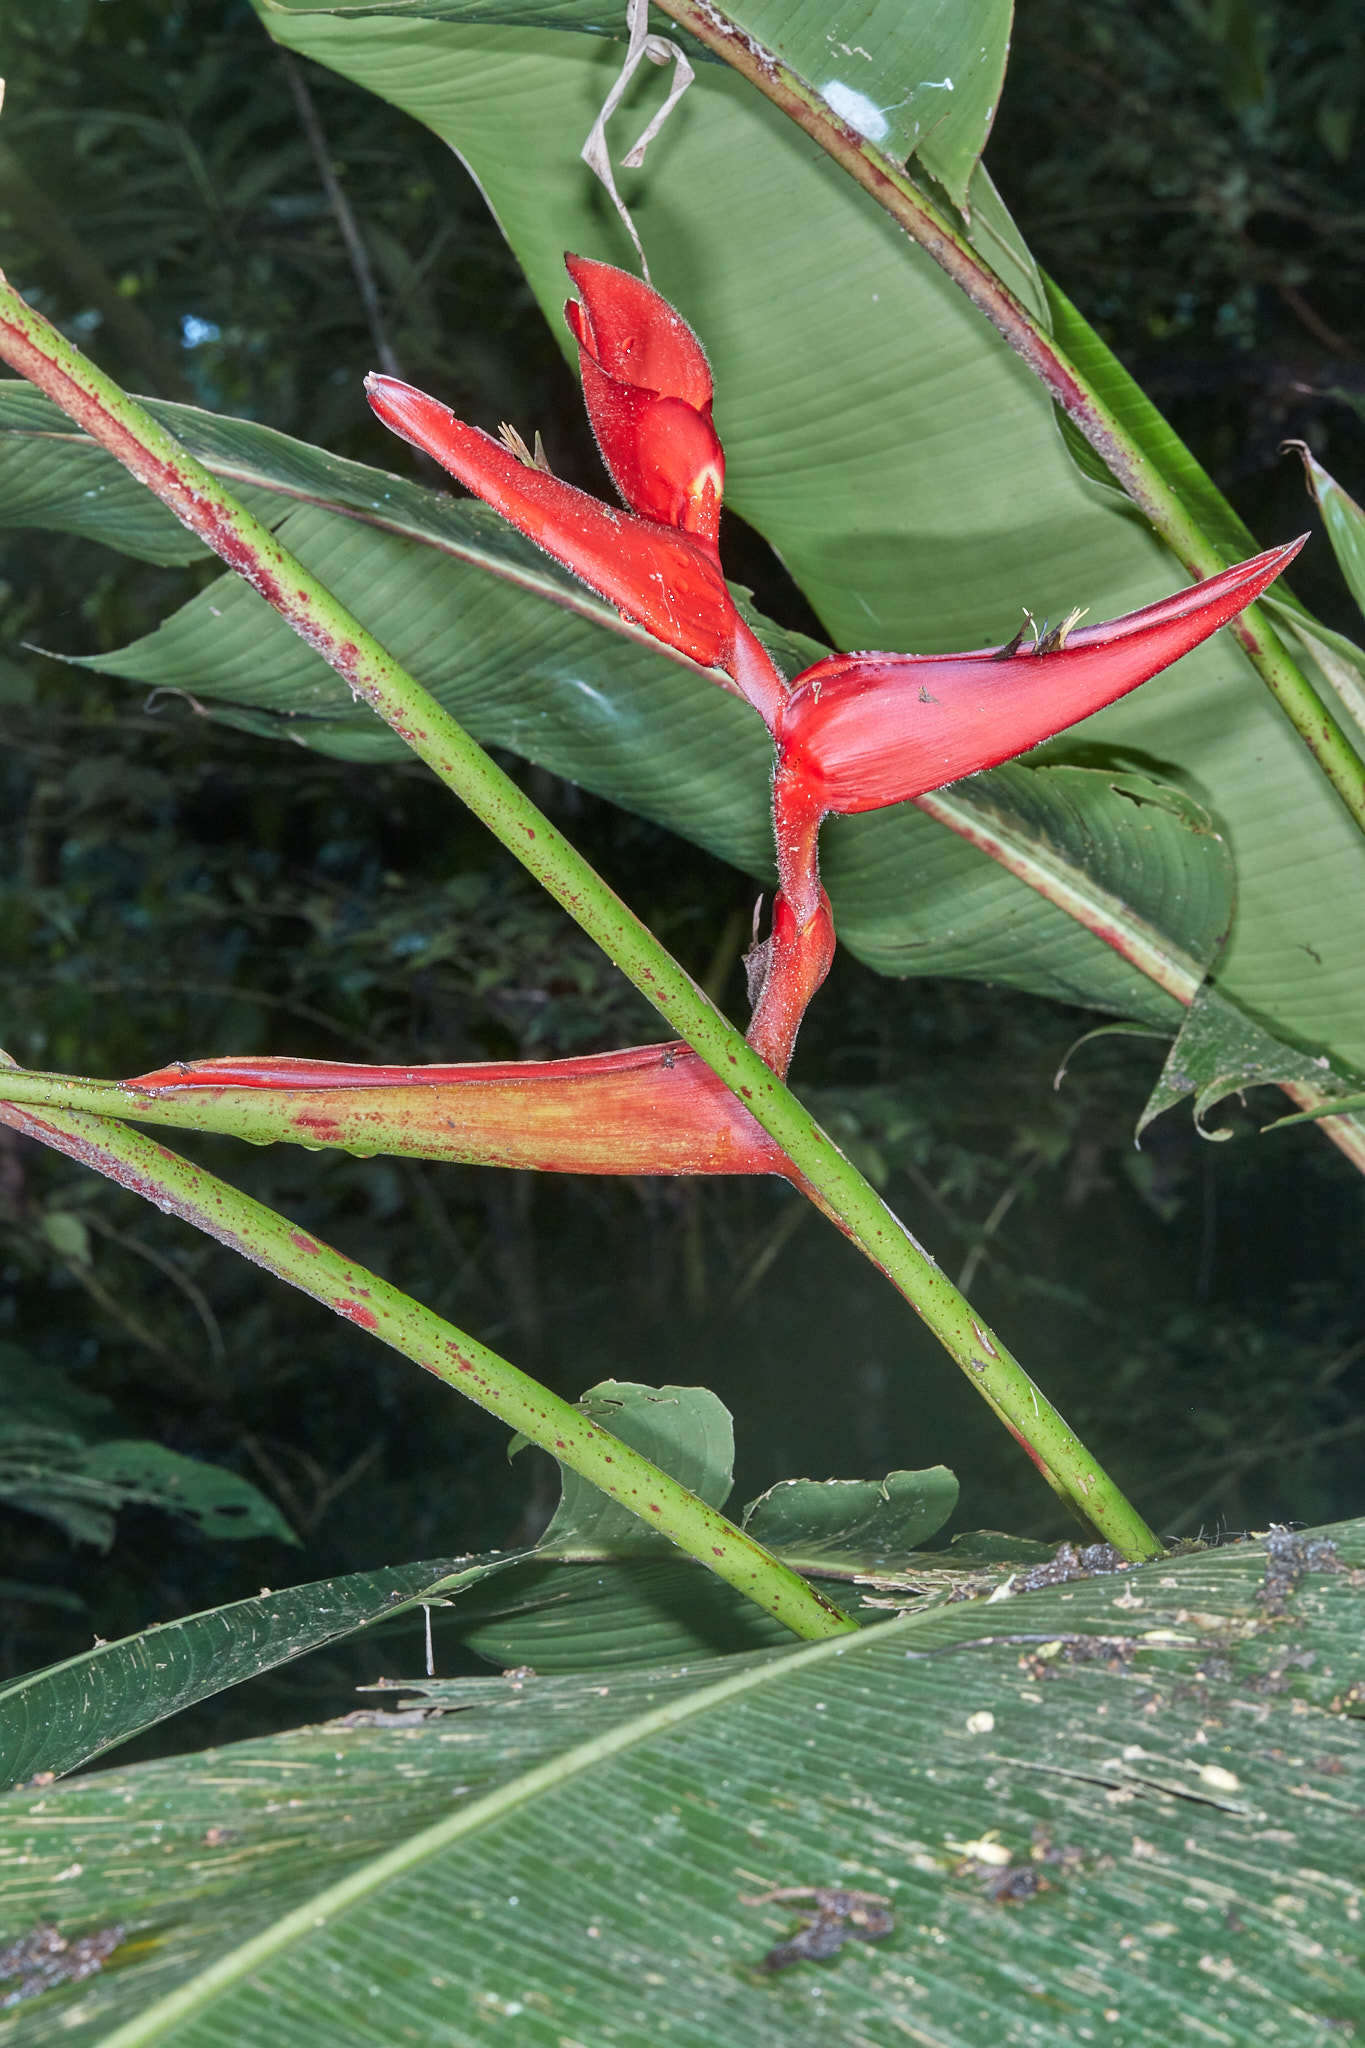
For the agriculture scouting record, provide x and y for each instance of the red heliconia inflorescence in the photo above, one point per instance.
(856, 732)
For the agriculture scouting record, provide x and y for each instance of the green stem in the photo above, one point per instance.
(1125, 459)
(118, 423)
(246, 1226)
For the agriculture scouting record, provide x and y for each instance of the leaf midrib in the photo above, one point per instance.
(251, 1956)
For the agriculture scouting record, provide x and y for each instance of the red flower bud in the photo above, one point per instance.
(647, 387)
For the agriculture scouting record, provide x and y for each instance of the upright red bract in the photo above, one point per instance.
(647, 387)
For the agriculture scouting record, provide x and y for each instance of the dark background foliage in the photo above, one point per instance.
(170, 887)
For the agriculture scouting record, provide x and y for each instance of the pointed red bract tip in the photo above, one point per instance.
(634, 334)
(661, 579)
(862, 731)
(647, 388)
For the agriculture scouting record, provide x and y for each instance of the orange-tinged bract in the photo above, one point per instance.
(648, 1109)
(647, 387)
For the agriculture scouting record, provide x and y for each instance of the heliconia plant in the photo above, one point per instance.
(418, 1888)
(855, 732)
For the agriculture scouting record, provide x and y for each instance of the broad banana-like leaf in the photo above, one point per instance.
(853, 53)
(57, 1718)
(1123, 1808)
(902, 461)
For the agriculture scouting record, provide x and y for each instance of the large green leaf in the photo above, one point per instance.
(57, 1718)
(1122, 855)
(529, 660)
(904, 463)
(1122, 1808)
(916, 77)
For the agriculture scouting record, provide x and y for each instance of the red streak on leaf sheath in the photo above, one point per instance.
(355, 1312)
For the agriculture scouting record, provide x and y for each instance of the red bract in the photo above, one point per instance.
(861, 731)
(647, 387)
(658, 563)
(866, 730)
(661, 579)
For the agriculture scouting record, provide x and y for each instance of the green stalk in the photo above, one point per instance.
(1126, 460)
(246, 1226)
(39, 352)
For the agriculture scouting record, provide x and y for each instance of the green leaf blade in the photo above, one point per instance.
(1343, 518)
(1087, 1743)
(527, 660)
(915, 485)
(58, 1718)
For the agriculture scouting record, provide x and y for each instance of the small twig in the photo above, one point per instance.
(992, 1223)
(1239, 1463)
(641, 45)
(341, 209)
(325, 1491)
(775, 1242)
(144, 984)
(1298, 305)
(192, 1293)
